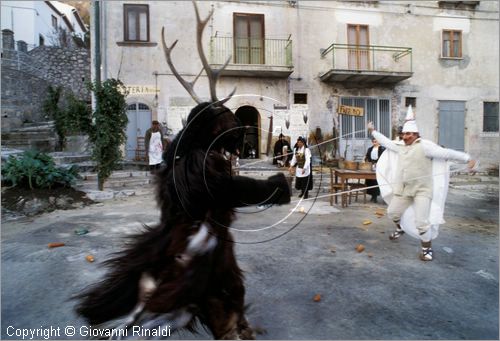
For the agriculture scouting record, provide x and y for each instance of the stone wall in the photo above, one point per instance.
(26, 76)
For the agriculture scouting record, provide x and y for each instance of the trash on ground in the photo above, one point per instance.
(317, 298)
(367, 222)
(81, 231)
(89, 258)
(360, 248)
(52, 245)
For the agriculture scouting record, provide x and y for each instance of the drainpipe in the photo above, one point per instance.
(97, 65)
(97, 41)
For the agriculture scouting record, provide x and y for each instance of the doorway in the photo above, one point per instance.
(357, 36)
(249, 118)
(139, 120)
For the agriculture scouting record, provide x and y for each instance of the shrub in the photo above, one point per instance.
(109, 126)
(71, 115)
(37, 170)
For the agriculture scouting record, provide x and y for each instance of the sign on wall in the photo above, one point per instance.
(141, 89)
(352, 111)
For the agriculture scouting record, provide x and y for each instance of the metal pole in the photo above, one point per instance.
(97, 60)
(97, 42)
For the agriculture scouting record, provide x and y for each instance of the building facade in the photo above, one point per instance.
(37, 22)
(322, 69)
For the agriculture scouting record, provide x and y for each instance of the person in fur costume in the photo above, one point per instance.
(184, 270)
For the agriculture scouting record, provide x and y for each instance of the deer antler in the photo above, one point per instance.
(212, 74)
(189, 86)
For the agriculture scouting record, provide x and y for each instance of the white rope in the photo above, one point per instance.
(375, 186)
(311, 146)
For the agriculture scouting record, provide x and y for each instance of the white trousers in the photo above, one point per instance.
(399, 204)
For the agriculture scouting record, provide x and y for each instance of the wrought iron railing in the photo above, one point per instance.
(270, 52)
(370, 58)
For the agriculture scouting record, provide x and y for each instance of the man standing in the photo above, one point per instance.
(281, 152)
(154, 145)
(413, 182)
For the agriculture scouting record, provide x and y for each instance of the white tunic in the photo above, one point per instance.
(389, 180)
(307, 163)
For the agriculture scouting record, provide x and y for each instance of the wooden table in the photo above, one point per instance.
(345, 175)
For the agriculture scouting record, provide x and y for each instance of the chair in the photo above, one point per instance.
(334, 188)
(358, 186)
(140, 151)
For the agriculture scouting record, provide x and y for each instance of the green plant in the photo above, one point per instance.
(37, 170)
(109, 126)
(77, 116)
(51, 108)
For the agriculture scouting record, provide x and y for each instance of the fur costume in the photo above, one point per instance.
(184, 269)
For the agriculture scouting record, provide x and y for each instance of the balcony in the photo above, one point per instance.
(367, 64)
(252, 57)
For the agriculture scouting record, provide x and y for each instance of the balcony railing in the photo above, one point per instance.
(250, 51)
(370, 57)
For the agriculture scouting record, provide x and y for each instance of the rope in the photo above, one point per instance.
(375, 186)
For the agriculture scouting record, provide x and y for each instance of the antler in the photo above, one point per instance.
(189, 86)
(213, 74)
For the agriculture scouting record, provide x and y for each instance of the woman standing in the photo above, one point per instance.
(372, 155)
(303, 175)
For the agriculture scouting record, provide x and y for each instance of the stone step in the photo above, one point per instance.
(124, 175)
(62, 158)
(28, 135)
(44, 145)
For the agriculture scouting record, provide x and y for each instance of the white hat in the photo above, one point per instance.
(410, 125)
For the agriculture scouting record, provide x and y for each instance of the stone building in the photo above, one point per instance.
(315, 68)
(26, 75)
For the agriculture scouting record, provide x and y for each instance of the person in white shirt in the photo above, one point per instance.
(155, 145)
(302, 159)
(413, 184)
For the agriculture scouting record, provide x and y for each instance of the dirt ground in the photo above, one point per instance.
(18, 202)
(289, 258)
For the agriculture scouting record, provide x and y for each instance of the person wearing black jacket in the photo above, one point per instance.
(372, 155)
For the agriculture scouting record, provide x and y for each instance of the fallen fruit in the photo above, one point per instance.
(52, 245)
(360, 248)
(317, 298)
(89, 258)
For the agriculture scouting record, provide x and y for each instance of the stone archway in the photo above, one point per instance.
(250, 118)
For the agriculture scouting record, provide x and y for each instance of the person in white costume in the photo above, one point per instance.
(413, 179)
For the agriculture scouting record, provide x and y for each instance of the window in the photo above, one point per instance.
(377, 110)
(41, 40)
(359, 58)
(411, 101)
(490, 116)
(248, 38)
(54, 21)
(136, 22)
(452, 44)
(300, 98)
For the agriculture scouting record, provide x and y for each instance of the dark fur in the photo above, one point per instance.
(196, 186)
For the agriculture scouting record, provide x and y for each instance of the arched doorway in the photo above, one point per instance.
(249, 117)
(139, 120)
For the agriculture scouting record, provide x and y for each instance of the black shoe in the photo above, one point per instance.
(374, 199)
(306, 195)
(301, 194)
